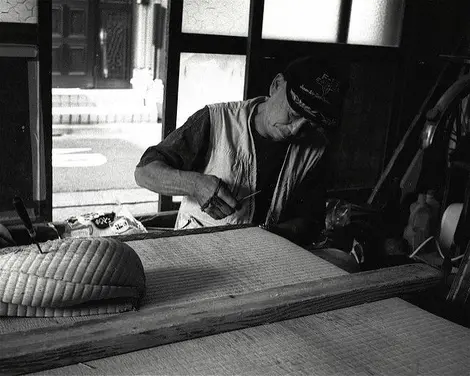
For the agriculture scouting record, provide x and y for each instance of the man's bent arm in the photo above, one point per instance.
(159, 177)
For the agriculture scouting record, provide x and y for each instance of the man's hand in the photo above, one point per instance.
(214, 197)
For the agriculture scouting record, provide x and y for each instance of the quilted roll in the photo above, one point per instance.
(72, 277)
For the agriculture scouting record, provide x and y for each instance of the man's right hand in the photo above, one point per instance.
(214, 197)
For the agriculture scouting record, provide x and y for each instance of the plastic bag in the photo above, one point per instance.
(119, 222)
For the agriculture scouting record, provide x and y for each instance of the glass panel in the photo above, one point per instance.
(56, 58)
(222, 17)
(208, 78)
(57, 20)
(77, 60)
(302, 20)
(19, 11)
(77, 22)
(376, 23)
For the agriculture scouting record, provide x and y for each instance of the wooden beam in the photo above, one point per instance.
(345, 52)
(44, 208)
(171, 80)
(253, 48)
(19, 33)
(47, 348)
(212, 44)
(344, 20)
(183, 232)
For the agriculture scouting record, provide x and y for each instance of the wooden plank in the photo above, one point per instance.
(212, 44)
(344, 20)
(44, 204)
(184, 232)
(41, 349)
(171, 81)
(388, 337)
(253, 49)
(19, 33)
(332, 51)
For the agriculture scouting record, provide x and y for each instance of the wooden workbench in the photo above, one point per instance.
(204, 285)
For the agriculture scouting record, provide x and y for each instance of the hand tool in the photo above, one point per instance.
(239, 205)
(23, 214)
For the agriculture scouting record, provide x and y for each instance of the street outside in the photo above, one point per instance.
(93, 168)
(93, 164)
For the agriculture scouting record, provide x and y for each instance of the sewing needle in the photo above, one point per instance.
(239, 205)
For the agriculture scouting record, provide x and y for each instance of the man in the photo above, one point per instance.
(270, 147)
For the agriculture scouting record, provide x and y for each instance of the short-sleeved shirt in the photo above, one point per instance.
(187, 148)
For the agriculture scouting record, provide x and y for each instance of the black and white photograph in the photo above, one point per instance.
(235, 187)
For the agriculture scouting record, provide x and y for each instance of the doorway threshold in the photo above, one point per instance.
(138, 201)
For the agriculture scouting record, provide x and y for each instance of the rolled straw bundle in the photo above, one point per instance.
(72, 277)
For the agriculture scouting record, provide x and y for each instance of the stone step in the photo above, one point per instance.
(97, 106)
(101, 115)
(102, 97)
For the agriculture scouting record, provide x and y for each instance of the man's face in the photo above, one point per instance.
(282, 122)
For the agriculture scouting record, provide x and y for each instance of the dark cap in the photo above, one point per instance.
(315, 90)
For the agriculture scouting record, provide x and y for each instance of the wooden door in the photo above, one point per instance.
(91, 43)
(72, 44)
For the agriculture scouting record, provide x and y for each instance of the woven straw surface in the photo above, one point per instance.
(68, 273)
(388, 337)
(194, 267)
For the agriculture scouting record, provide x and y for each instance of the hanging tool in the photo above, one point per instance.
(24, 216)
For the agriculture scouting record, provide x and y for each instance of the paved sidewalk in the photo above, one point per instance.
(141, 134)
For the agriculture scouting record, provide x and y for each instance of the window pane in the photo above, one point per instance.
(221, 17)
(376, 22)
(302, 20)
(19, 11)
(208, 78)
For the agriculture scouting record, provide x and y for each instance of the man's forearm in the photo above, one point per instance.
(209, 191)
(158, 177)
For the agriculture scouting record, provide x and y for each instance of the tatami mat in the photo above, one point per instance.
(194, 267)
(388, 337)
(203, 266)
